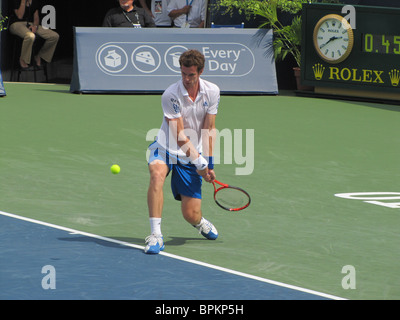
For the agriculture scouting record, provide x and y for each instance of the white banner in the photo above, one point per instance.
(147, 59)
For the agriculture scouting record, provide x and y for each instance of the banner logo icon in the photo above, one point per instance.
(111, 59)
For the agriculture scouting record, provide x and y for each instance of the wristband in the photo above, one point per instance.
(200, 163)
(210, 163)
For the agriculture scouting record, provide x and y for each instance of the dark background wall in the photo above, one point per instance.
(69, 13)
(90, 13)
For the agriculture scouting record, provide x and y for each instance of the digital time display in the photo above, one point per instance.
(379, 43)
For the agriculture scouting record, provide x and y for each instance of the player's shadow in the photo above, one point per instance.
(104, 242)
(180, 241)
(170, 241)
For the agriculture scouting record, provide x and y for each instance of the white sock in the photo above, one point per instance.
(201, 221)
(155, 225)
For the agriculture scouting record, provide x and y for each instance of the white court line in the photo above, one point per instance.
(173, 256)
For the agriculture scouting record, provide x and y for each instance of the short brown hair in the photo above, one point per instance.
(192, 58)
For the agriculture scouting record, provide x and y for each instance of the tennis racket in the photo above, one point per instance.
(229, 197)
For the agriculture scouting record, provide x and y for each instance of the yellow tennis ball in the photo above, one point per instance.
(115, 169)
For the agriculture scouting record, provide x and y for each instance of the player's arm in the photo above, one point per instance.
(176, 127)
(208, 139)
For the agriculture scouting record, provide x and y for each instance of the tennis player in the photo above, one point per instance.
(188, 128)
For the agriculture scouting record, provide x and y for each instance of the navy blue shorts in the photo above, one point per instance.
(185, 180)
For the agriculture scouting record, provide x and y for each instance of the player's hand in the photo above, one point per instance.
(208, 175)
(212, 175)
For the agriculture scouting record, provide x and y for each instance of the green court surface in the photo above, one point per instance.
(57, 149)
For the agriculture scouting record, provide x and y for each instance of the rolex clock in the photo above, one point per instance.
(358, 52)
(333, 38)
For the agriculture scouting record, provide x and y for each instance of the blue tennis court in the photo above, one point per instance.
(324, 188)
(42, 261)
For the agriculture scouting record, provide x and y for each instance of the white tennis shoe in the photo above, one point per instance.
(207, 229)
(154, 244)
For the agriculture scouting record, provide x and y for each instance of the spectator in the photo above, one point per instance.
(187, 13)
(24, 23)
(159, 10)
(128, 16)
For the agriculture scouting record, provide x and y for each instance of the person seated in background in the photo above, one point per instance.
(24, 23)
(127, 15)
(159, 12)
(187, 13)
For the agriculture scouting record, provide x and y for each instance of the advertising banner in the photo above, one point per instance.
(147, 59)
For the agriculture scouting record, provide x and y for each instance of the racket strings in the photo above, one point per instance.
(232, 198)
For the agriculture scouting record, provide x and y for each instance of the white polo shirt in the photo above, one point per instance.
(159, 8)
(196, 14)
(177, 103)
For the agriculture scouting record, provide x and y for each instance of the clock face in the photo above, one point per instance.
(333, 38)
